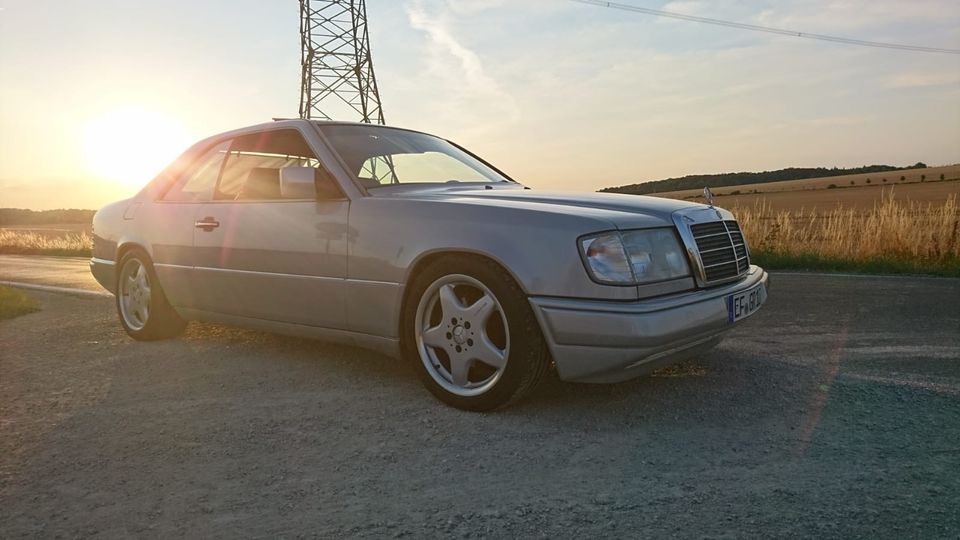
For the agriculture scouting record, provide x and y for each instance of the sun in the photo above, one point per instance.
(131, 145)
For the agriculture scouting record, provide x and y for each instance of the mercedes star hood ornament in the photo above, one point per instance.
(708, 195)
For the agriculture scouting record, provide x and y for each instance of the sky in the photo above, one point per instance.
(97, 96)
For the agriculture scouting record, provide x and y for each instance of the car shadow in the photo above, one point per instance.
(725, 385)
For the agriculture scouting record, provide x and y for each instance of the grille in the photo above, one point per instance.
(723, 251)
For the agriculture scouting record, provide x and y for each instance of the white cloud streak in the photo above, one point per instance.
(457, 73)
(922, 80)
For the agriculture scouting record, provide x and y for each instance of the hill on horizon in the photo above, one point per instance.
(699, 181)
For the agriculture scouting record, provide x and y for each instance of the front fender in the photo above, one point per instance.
(390, 236)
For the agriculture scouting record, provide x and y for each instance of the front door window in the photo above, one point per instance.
(252, 169)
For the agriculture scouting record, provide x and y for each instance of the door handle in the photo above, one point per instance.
(207, 224)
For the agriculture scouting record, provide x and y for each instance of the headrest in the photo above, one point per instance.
(262, 183)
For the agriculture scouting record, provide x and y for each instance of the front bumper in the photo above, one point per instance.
(603, 342)
(104, 272)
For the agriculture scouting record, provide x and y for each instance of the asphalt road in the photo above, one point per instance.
(835, 411)
(71, 272)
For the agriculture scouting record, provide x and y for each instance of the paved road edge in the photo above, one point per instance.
(62, 290)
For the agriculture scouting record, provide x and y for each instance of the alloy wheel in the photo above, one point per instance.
(135, 294)
(462, 335)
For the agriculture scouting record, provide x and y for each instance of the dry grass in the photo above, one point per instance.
(893, 236)
(51, 229)
(78, 244)
(862, 198)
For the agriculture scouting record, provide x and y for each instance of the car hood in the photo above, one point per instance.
(622, 211)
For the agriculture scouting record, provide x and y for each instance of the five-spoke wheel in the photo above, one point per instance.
(470, 330)
(462, 335)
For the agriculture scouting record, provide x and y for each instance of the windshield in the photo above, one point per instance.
(379, 156)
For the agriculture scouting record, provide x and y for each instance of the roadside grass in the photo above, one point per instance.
(14, 303)
(28, 243)
(895, 237)
(814, 263)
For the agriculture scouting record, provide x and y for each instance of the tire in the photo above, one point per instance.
(472, 335)
(144, 311)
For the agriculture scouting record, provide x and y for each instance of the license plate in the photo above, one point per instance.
(744, 304)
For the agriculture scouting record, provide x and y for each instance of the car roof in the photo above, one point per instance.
(293, 122)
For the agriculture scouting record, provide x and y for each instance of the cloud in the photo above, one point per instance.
(922, 80)
(686, 7)
(851, 15)
(840, 121)
(470, 7)
(457, 72)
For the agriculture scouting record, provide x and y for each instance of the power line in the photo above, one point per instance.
(769, 30)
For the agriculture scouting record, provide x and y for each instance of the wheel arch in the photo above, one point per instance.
(127, 246)
(429, 257)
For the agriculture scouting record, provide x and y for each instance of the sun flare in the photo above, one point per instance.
(131, 145)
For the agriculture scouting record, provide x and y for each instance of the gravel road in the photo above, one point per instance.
(833, 412)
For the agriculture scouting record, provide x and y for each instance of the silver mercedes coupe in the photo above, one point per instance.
(410, 245)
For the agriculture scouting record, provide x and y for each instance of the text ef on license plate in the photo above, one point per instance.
(744, 304)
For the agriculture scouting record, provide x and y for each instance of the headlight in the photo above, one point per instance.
(607, 259)
(634, 257)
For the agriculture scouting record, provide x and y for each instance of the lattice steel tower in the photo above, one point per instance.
(337, 70)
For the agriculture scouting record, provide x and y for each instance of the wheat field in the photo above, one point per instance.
(895, 233)
(18, 242)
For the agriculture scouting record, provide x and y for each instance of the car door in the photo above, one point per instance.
(261, 256)
(170, 220)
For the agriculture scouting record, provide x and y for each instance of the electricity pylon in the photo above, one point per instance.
(337, 69)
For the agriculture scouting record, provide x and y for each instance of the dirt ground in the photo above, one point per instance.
(835, 411)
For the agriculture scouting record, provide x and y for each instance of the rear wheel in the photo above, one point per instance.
(472, 334)
(144, 311)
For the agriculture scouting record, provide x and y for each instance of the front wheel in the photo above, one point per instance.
(144, 311)
(472, 334)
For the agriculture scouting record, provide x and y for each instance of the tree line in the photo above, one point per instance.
(21, 216)
(698, 181)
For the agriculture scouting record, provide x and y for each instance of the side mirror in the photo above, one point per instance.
(308, 183)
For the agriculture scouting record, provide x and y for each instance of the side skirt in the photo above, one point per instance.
(386, 346)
